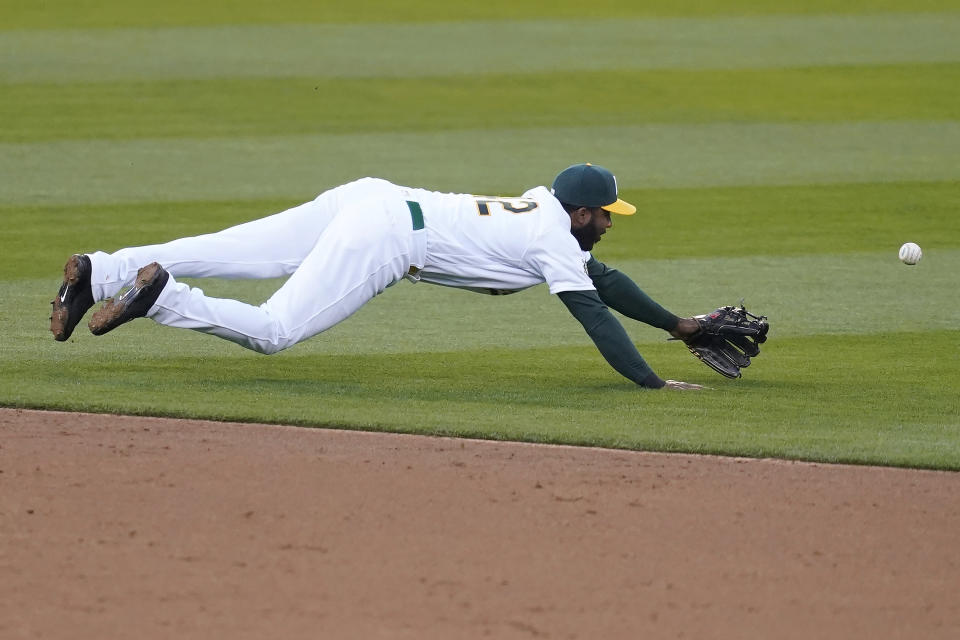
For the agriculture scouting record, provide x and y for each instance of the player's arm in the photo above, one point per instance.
(622, 294)
(610, 337)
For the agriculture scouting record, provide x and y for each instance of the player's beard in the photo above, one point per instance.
(586, 236)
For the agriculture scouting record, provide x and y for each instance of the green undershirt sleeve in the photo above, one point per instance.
(610, 337)
(620, 293)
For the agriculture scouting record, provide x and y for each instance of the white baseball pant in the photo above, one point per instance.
(340, 250)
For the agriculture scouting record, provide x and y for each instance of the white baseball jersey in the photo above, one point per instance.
(500, 245)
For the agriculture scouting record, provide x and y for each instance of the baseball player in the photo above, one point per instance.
(352, 242)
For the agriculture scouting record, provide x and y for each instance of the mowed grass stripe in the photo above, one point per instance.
(299, 167)
(672, 223)
(898, 404)
(397, 50)
(120, 13)
(277, 106)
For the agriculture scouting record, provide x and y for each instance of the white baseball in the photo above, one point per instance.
(910, 253)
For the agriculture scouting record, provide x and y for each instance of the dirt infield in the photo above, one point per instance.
(118, 527)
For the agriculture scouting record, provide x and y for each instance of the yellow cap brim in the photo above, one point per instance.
(621, 207)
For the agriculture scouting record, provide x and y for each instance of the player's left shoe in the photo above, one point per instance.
(74, 298)
(135, 303)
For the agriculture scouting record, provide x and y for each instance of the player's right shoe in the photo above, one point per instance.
(135, 303)
(74, 298)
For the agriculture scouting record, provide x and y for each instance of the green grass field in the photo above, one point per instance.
(779, 154)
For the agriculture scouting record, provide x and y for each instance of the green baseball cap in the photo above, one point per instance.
(590, 185)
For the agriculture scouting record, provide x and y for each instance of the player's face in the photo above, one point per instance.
(595, 226)
(601, 222)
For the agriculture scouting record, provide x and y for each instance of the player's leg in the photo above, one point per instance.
(365, 249)
(269, 247)
(264, 248)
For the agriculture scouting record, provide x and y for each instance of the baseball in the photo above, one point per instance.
(910, 253)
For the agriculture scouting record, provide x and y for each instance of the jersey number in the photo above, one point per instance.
(513, 205)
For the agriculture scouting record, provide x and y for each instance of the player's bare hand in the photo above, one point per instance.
(684, 386)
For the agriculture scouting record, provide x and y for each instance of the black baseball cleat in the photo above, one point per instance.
(74, 298)
(135, 303)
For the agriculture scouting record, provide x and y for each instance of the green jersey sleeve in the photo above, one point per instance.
(622, 294)
(610, 337)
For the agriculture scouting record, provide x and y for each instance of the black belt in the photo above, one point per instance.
(416, 215)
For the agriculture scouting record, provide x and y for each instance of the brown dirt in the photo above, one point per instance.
(118, 527)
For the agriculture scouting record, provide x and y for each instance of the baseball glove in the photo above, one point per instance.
(727, 339)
